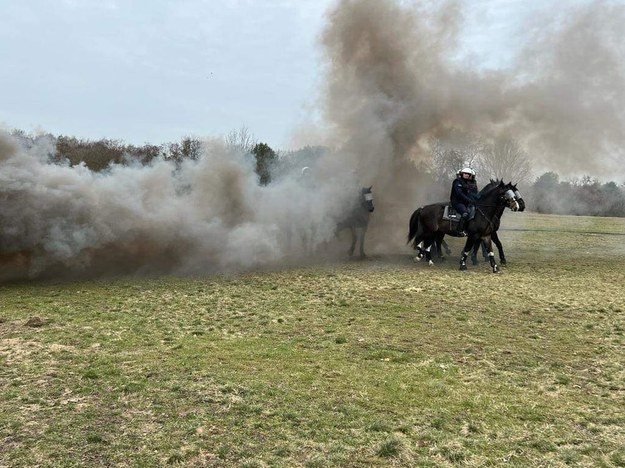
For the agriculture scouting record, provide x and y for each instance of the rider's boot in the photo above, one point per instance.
(461, 224)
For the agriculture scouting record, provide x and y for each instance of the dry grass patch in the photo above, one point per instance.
(384, 363)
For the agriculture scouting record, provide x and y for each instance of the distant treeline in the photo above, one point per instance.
(99, 155)
(585, 196)
(548, 194)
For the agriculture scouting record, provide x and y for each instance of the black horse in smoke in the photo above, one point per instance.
(357, 220)
(427, 223)
(494, 237)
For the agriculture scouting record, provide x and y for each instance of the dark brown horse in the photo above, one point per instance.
(357, 220)
(427, 223)
(494, 237)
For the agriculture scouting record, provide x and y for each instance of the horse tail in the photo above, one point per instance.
(414, 227)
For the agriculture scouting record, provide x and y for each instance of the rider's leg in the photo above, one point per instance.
(464, 214)
(462, 222)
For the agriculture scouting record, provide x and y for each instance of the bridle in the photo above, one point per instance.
(507, 197)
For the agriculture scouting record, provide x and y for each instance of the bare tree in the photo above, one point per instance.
(453, 152)
(505, 159)
(241, 140)
(445, 162)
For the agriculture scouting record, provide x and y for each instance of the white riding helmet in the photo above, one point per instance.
(467, 170)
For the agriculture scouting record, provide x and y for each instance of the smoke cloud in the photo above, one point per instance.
(393, 80)
(208, 215)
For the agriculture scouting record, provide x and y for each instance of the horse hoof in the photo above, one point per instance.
(495, 269)
(463, 267)
(475, 262)
(503, 261)
(430, 263)
(418, 258)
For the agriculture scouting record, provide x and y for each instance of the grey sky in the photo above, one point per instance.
(157, 70)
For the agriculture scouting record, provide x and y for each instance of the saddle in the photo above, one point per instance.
(450, 213)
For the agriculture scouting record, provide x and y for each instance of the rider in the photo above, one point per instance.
(463, 194)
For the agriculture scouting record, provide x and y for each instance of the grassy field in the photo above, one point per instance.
(378, 363)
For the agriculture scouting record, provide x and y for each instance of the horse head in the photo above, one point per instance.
(499, 193)
(517, 196)
(509, 197)
(367, 199)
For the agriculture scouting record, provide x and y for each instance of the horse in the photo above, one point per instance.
(494, 236)
(427, 224)
(357, 220)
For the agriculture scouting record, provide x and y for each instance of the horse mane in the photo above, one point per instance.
(488, 188)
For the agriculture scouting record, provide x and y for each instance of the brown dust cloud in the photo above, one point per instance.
(393, 79)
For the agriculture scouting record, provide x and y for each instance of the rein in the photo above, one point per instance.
(479, 205)
(485, 192)
(488, 220)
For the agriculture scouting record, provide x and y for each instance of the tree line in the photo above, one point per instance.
(99, 155)
(498, 159)
(585, 196)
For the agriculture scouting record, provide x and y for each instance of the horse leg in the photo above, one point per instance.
(495, 238)
(474, 254)
(433, 249)
(439, 247)
(362, 242)
(465, 252)
(484, 250)
(491, 255)
(353, 245)
(427, 246)
(419, 249)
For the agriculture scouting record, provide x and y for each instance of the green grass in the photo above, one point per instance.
(383, 363)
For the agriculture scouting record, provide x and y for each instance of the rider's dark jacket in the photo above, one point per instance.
(463, 191)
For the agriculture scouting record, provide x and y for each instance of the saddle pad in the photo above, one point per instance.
(450, 213)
